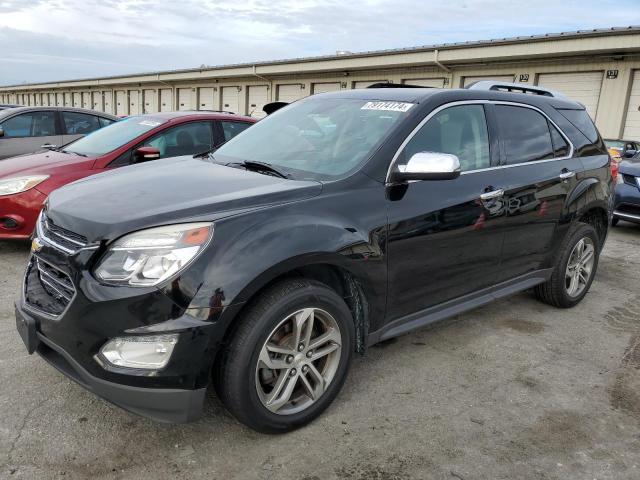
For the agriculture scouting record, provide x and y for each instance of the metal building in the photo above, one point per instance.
(600, 68)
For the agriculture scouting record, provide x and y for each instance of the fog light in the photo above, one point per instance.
(148, 352)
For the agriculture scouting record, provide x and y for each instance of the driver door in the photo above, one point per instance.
(445, 236)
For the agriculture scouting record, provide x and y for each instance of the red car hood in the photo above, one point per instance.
(45, 162)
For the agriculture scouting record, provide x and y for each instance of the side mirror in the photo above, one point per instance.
(144, 154)
(428, 166)
(1, 132)
(630, 153)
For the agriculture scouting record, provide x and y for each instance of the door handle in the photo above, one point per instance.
(566, 175)
(492, 195)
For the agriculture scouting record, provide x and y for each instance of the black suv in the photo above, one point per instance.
(339, 221)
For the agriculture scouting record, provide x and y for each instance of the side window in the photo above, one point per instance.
(525, 134)
(231, 129)
(582, 121)
(186, 139)
(105, 121)
(461, 131)
(80, 123)
(33, 124)
(560, 145)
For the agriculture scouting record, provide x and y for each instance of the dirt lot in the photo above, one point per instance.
(513, 390)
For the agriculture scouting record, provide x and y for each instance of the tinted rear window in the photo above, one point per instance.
(581, 120)
(524, 133)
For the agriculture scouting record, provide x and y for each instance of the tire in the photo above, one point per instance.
(555, 291)
(245, 384)
(614, 222)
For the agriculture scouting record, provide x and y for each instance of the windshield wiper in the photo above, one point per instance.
(267, 168)
(74, 153)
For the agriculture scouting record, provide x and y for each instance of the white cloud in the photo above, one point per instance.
(57, 39)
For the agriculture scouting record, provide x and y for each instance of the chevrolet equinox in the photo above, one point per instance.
(339, 221)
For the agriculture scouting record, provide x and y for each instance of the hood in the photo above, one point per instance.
(175, 190)
(37, 163)
(631, 167)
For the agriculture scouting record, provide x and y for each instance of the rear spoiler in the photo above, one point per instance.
(269, 108)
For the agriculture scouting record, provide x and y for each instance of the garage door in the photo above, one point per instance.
(108, 101)
(96, 101)
(134, 102)
(121, 103)
(166, 100)
(149, 101)
(499, 78)
(205, 98)
(68, 102)
(184, 99)
(632, 122)
(425, 82)
(581, 87)
(258, 97)
(230, 99)
(77, 100)
(290, 93)
(366, 83)
(86, 100)
(325, 87)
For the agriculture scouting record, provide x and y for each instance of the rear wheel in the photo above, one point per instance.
(614, 222)
(574, 270)
(288, 358)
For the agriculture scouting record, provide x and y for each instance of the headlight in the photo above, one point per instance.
(10, 186)
(149, 257)
(149, 352)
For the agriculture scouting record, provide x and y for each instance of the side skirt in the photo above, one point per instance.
(462, 304)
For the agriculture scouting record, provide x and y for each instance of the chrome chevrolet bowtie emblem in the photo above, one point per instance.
(36, 246)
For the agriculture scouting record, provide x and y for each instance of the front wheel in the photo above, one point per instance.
(288, 358)
(574, 270)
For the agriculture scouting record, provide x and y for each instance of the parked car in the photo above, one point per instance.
(26, 181)
(339, 221)
(4, 106)
(622, 148)
(30, 129)
(627, 194)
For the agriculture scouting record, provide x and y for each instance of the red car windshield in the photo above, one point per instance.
(113, 136)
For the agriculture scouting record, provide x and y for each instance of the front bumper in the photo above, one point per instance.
(627, 203)
(22, 209)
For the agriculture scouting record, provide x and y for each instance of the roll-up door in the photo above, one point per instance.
(581, 87)
(290, 93)
(205, 98)
(149, 101)
(258, 97)
(77, 100)
(184, 99)
(166, 100)
(96, 101)
(325, 87)
(108, 101)
(499, 78)
(230, 99)
(134, 102)
(68, 101)
(121, 102)
(632, 121)
(86, 100)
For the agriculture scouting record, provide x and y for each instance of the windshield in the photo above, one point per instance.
(113, 136)
(317, 138)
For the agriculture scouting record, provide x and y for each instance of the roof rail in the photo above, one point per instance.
(396, 85)
(514, 88)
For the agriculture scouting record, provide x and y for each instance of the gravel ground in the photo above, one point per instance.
(513, 390)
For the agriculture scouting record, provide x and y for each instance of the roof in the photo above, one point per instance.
(598, 32)
(12, 110)
(195, 113)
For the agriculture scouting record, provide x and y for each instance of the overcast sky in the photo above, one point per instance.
(43, 40)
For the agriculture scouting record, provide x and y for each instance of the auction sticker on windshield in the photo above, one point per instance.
(388, 106)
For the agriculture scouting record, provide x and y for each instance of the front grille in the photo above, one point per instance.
(46, 288)
(63, 239)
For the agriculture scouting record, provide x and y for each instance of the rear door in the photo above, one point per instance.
(538, 175)
(27, 132)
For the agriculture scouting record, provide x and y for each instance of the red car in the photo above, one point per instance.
(27, 180)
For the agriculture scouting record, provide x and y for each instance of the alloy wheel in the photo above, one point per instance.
(580, 267)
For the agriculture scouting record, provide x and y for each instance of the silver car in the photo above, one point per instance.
(29, 129)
